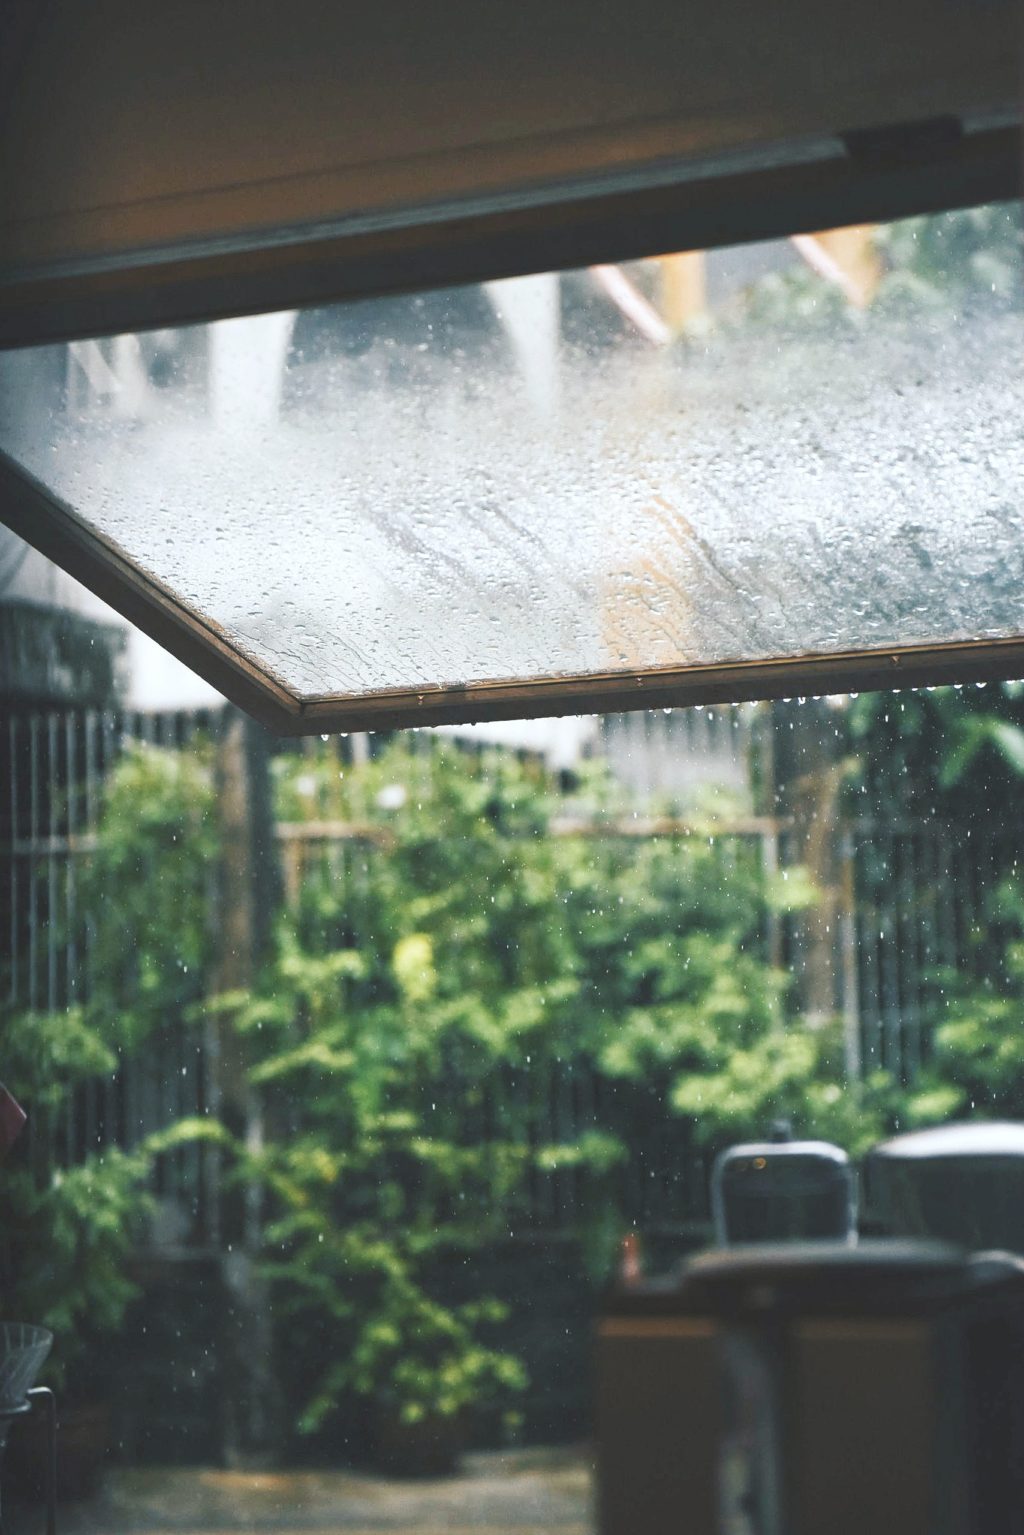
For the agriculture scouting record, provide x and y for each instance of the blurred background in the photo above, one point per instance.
(350, 1062)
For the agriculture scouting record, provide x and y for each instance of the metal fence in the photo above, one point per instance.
(55, 767)
(905, 902)
(918, 902)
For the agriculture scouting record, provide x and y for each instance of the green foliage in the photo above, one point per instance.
(391, 999)
(797, 1074)
(71, 1240)
(68, 1232)
(148, 885)
(45, 1055)
(937, 259)
(935, 262)
(440, 980)
(796, 298)
(387, 1339)
(979, 1044)
(422, 1004)
(956, 753)
(953, 751)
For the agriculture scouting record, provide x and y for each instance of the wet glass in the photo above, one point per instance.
(570, 475)
(359, 1070)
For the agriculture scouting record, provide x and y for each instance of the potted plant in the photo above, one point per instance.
(426, 1376)
(360, 1319)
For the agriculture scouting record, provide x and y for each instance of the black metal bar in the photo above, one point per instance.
(71, 768)
(52, 790)
(42, 1396)
(33, 883)
(7, 1417)
(36, 1397)
(12, 746)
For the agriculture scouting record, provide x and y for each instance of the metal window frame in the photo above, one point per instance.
(776, 191)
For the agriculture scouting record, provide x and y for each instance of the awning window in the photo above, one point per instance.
(782, 468)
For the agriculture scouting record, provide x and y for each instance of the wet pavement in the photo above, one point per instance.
(521, 1492)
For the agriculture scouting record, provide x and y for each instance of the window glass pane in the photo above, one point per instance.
(811, 446)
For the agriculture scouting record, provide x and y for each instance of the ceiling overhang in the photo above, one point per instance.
(165, 164)
(171, 165)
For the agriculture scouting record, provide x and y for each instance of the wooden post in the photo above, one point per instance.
(855, 254)
(852, 1052)
(810, 779)
(761, 771)
(684, 298)
(250, 1399)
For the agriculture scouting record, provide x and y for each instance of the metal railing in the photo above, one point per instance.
(905, 903)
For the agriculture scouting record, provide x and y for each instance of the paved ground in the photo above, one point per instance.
(522, 1492)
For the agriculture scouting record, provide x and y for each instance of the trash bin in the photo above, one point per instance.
(770, 1191)
(804, 1388)
(960, 1183)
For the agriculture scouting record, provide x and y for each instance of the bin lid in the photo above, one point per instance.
(874, 1277)
(890, 1277)
(817, 1151)
(999, 1138)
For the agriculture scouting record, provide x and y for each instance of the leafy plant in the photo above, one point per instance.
(67, 1232)
(931, 263)
(147, 886)
(452, 977)
(949, 751)
(935, 260)
(70, 1223)
(485, 939)
(953, 753)
(978, 1060)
